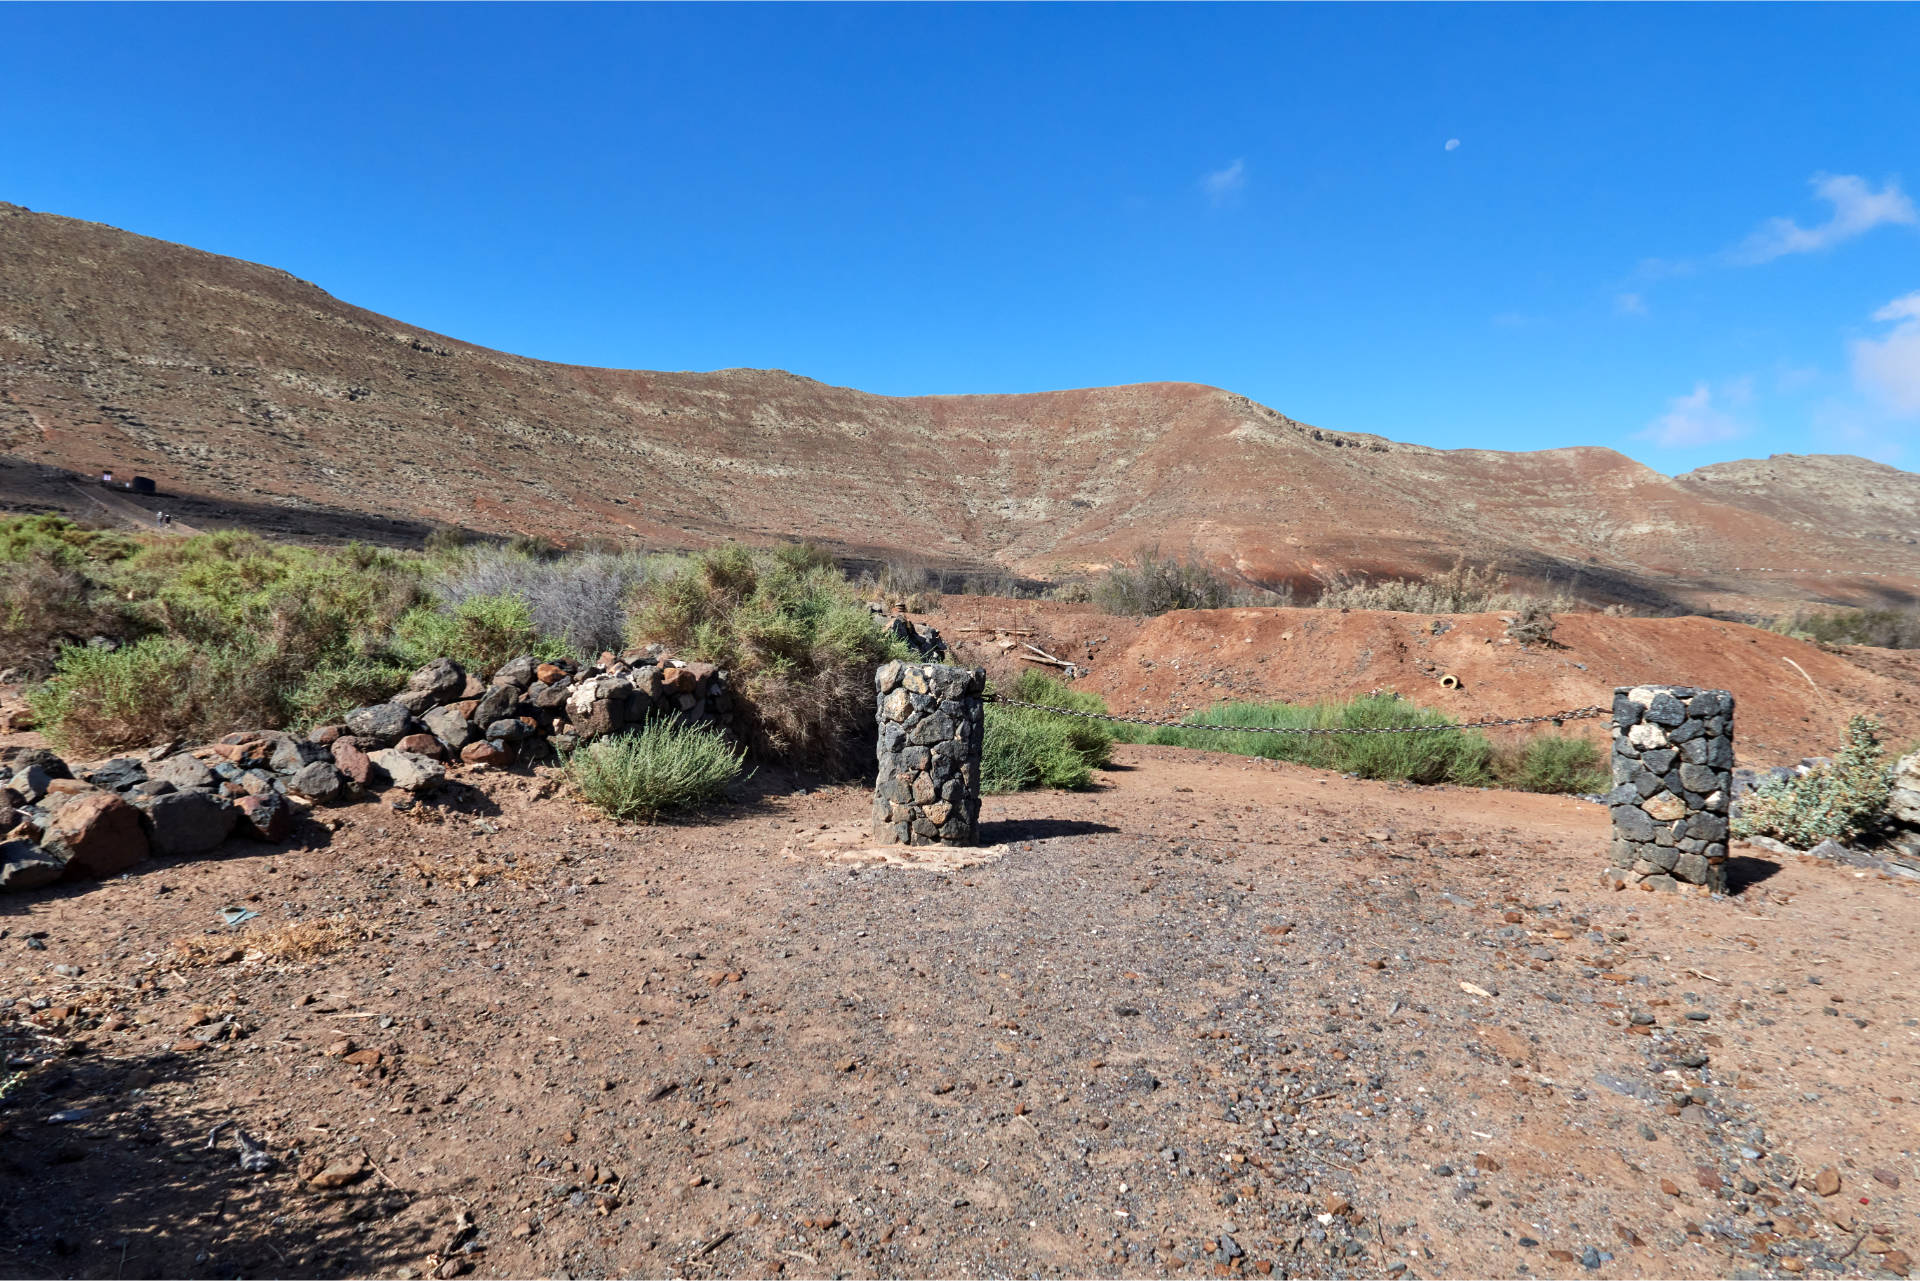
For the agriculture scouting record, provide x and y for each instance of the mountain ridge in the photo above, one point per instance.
(248, 384)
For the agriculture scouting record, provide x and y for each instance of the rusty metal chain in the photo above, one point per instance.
(1574, 714)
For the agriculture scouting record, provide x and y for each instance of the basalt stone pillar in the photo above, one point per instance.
(1673, 786)
(932, 721)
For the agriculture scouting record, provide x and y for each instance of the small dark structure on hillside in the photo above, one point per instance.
(143, 485)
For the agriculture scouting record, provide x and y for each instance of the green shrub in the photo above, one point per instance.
(1553, 763)
(480, 633)
(796, 641)
(665, 765)
(311, 602)
(268, 627)
(1092, 740)
(1433, 756)
(61, 541)
(326, 694)
(1830, 802)
(106, 700)
(1029, 749)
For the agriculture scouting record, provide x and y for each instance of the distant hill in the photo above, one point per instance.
(287, 408)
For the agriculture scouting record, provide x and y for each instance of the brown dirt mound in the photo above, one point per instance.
(1793, 697)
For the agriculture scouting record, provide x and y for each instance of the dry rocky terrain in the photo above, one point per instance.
(1212, 1017)
(257, 399)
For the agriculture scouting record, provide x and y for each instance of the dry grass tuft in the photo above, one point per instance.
(1463, 589)
(522, 871)
(293, 943)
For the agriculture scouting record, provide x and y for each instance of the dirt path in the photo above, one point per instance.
(130, 511)
(1214, 1015)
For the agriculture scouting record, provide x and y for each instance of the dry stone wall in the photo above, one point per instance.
(932, 724)
(1673, 786)
(62, 821)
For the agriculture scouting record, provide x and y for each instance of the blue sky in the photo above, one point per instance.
(1688, 233)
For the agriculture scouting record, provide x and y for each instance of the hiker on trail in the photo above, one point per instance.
(106, 478)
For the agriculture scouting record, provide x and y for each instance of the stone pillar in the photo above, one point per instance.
(932, 722)
(1673, 786)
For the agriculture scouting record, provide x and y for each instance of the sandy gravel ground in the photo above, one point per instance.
(1216, 1017)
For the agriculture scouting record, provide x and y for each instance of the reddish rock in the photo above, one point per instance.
(354, 763)
(548, 673)
(681, 680)
(468, 706)
(473, 688)
(326, 734)
(423, 745)
(485, 753)
(99, 835)
(64, 787)
(267, 817)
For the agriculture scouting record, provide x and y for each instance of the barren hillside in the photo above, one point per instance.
(283, 406)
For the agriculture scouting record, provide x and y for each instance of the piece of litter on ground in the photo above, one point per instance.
(254, 1157)
(1474, 989)
(71, 1114)
(237, 915)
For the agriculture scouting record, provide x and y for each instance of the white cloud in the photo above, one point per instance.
(1630, 304)
(1222, 184)
(1857, 209)
(1888, 368)
(1693, 419)
(1453, 144)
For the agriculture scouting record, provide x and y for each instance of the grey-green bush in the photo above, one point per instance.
(1834, 802)
(577, 600)
(665, 765)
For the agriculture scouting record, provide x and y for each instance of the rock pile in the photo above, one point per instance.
(932, 725)
(1903, 806)
(527, 711)
(55, 826)
(922, 638)
(1673, 783)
